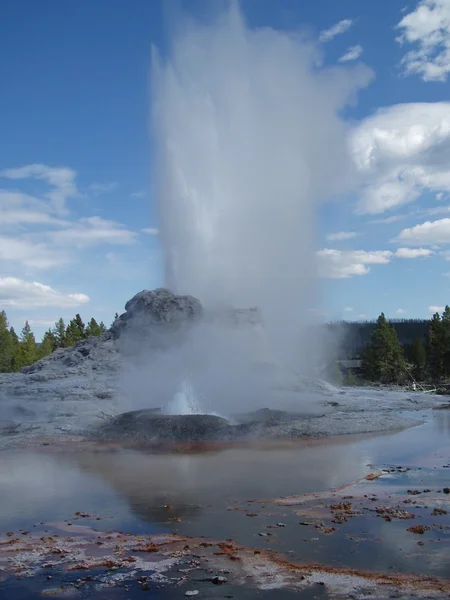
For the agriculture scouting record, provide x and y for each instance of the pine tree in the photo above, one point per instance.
(6, 345)
(48, 344)
(116, 316)
(59, 333)
(28, 353)
(350, 379)
(445, 324)
(383, 358)
(435, 348)
(75, 331)
(15, 344)
(418, 359)
(93, 328)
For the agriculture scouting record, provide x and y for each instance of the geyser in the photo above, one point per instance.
(247, 140)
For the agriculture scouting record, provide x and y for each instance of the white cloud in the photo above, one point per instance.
(338, 264)
(401, 151)
(34, 236)
(138, 194)
(353, 53)
(436, 309)
(413, 252)
(362, 316)
(17, 208)
(94, 230)
(400, 311)
(151, 230)
(60, 179)
(33, 254)
(17, 293)
(42, 322)
(341, 235)
(428, 233)
(427, 29)
(349, 309)
(102, 188)
(328, 34)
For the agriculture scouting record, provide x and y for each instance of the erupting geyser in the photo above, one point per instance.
(248, 139)
(184, 402)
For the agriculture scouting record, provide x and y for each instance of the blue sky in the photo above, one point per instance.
(78, 225)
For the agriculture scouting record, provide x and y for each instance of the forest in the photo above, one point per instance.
(399, 352)
(18, 351)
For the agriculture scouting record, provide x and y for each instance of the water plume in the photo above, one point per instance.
(248, 139)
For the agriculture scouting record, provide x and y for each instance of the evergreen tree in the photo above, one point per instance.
(445, 324)
(116, 316)
(418, 359)
(6, 347)
(48, 344)
(93, 328)
(102, 327)
(336, 374)
(28, 352)
(59, 333)
(15, 344)
(75, 331)
(383, 358)
(435, 348)
(350, 379)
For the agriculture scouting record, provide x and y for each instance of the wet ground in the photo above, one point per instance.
(284, 501)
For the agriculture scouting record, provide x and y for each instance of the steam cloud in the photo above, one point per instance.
(248, 140)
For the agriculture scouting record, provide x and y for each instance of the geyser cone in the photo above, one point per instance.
(247, 139)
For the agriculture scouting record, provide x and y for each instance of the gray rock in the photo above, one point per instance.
(155, 318)
(152, 426)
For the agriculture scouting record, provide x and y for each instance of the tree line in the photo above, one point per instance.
(354, 336)
(18, 351)
(386, 360)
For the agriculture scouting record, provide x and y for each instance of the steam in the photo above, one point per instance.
(248, 140)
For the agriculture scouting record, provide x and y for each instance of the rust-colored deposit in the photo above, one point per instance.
(175, 560)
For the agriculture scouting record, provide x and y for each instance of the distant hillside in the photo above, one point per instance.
(352, 337)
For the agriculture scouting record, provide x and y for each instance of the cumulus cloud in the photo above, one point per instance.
(339, 264)
(329, 34)
(60, 179)
(341, 235)
(413, 252)
(427, 30)
(428, 233)
(436, 309)
(353, 53)
(17, 293)
(400, 152)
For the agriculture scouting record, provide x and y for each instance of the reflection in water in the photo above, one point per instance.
(140, 490)
(442, 423)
